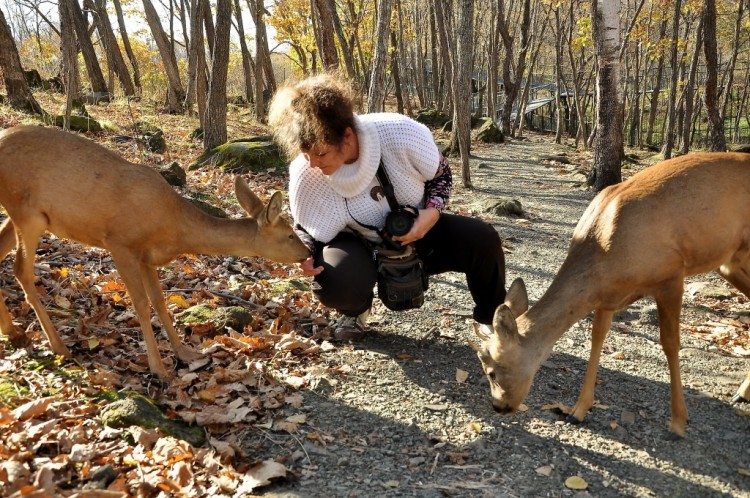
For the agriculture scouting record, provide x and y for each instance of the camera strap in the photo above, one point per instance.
(385, 182)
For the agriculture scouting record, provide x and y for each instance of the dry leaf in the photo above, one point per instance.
(461, 375)
(544, 471)
(617, 355)
(32, 409)
(575, 482)
(260, 475)
(743, 472)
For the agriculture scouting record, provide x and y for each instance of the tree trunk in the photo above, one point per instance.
(717, 139)
(669, 127)
(96, 77)
(690, 90)
(215, 124)
(19, 93)
(513, 85)
(656, 89)
(608, 148)
(462, 84)
(195, 52)
(376, 92)
(70, 75)
(248, 66)
(114, 56)
(733, 61)
(175, 92)
(397, 88)
(327, 47)
(126, 45)
(346, 50)
(264, 77)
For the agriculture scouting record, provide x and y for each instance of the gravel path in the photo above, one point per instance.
(394, 416)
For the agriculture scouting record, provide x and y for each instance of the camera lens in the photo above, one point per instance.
(399, 222)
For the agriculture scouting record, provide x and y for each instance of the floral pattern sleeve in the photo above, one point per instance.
(438, 190)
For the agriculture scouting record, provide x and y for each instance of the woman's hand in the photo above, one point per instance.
(426, 219)
(309, 269)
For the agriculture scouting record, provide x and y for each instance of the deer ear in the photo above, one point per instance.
(250, 202)
(517, 299)
(272, 211)
(504, 323)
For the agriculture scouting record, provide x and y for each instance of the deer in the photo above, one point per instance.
(642, 237)
(58, 182)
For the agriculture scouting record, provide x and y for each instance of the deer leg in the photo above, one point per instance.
(27, 240)
(155, 295)
(129, 268)
(7, 243)
(668, 304)
(740, 278)
(601, 325)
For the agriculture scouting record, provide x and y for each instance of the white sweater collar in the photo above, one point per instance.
(351, 179)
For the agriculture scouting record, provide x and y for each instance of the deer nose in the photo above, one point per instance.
(502, 409)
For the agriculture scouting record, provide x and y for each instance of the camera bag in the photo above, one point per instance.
(401, 276)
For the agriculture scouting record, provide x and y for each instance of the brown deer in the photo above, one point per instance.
(640, 238)
(59, 182)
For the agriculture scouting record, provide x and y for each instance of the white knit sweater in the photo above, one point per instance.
(319, 202)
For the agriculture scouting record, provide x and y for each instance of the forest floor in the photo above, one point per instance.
(408, 414)
(404, 412)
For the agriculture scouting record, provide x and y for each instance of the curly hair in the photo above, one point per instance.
(314, 111)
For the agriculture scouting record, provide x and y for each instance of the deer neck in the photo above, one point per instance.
(562, 305)
(211, 235)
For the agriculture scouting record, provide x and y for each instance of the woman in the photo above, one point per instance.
(335, 195)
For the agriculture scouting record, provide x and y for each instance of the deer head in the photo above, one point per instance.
(501, 352)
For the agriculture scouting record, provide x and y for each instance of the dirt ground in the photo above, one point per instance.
(406, 411)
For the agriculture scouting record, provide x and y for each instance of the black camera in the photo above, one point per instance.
(400, 221)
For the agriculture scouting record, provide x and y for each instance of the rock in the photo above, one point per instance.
(79, 123)
(151, 136)
(502, 207)
(174, 174)
(139, 410)
(490, 133)
(432, 118)
(209, 208)
(96, 98)
(257, 154)
(234, 317)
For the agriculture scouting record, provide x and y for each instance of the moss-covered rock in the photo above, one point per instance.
(174, 174)
(432, 118)
(502, 207)
(252, 155)
(79, 123)
(139, 410)
(234, 317)
(490, 133)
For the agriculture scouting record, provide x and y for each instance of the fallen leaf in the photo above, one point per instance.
(618, 355)
(743, 472)
(461, 375)
(575, 482)
(546, 471)
(32, 409)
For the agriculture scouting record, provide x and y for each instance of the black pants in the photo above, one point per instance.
(455, 243)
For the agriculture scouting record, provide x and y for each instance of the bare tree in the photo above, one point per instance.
(19, 93)
(462, 84)
(264, 77)
(175, 92)
(70, 74)
(126, 45)
(327, 30)
(717, 140)
(215, 124)
(107, 35)
(90, 60)
(376, 92)
(608, 150)
(248, 65)
(669, 127)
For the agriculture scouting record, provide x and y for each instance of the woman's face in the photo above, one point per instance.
(329, 158)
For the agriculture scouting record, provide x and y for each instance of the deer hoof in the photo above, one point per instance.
(573, 420)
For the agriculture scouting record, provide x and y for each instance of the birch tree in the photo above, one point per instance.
(608, 148)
